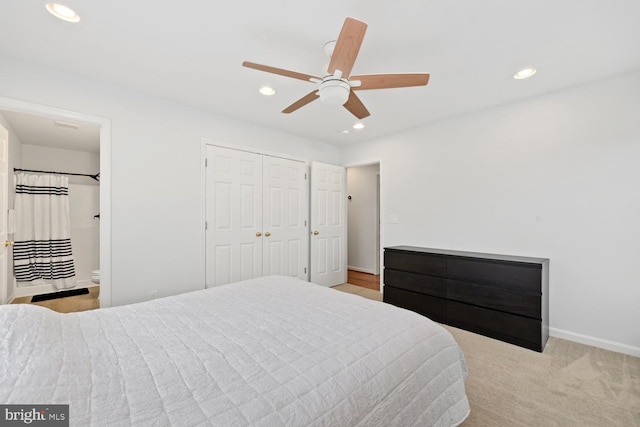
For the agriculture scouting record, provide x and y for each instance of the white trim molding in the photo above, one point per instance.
(595, 342)
(361, 270)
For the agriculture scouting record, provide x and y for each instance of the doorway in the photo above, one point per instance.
(363, 225)
(12, 110)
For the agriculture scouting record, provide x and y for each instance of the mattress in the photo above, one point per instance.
(273, 351)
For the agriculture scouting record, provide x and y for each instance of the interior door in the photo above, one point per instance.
(328, 224)
(285, 207)
(4, 204)
(233, 216)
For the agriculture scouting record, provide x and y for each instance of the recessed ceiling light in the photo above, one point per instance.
(524, 73)
(266, 90)
(344, 132)
(358, 126)
(63, 12)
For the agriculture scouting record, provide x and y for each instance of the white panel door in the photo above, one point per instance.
(285, 207)
(4, 204)
(234, 216)
(328, 224)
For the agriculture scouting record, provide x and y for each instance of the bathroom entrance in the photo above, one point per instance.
(53, 146)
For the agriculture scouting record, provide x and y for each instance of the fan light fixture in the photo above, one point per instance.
(358, 126)
(524, 73)
(63, 12)
(334, 92)
(338, 86)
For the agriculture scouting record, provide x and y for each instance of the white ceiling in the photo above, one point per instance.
(49, 132)
(191, 53)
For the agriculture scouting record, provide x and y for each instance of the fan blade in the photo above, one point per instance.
(386, 81)
(356, 107)
(347, 47)
(280, 71)
(312, 96)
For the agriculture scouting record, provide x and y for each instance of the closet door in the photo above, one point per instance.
(234, 216)
(285, 207)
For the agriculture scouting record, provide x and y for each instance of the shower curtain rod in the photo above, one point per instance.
(96, 176)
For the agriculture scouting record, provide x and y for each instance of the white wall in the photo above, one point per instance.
(556, 176)
(84, 203)
(362, 186)
(156, 214)
(57, 159)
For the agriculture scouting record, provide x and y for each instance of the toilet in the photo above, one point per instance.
(95, 276)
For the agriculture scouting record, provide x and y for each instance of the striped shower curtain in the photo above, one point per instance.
(43, 231)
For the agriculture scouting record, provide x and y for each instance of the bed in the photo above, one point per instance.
(266, 352)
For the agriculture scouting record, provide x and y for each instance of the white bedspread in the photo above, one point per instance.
(268, 352)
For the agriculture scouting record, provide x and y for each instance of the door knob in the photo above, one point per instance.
(267, 234)
(316, 232)
(7, 243)
(258, 234)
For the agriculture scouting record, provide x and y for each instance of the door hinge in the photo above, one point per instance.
(305, 270)
(206, 163)
(305, 176)
(305, 222)
(206, 225)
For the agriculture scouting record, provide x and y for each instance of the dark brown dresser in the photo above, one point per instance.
(500, 296)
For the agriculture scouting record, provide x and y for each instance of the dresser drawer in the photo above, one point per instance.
(413, 262)
(507, 327)
(500, 296)
(432, 307)
(521, 303)
(511, 275)
(429, 285)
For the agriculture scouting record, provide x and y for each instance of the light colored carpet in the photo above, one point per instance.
(69, 304)
(359, 290)
(569, 384)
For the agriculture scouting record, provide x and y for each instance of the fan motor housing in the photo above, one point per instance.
(334, 91)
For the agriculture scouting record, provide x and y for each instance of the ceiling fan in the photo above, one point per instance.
(338, 86)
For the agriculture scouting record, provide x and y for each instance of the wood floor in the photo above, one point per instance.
(73, 304)
(364, 280)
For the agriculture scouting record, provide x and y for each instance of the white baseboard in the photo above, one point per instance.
(85, 283)
(29, 291)
(595, 342)
(361, 270)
